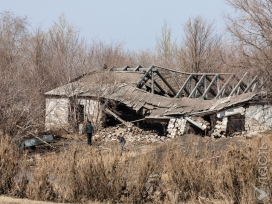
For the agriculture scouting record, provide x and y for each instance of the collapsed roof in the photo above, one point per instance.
(163, 91)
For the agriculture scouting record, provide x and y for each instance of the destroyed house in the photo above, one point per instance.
(215, 104)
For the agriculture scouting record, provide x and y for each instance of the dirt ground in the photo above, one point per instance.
(9, 200)
(133, 149)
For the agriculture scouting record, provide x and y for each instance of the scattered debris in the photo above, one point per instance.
(220, 128)
(134, 135)
(146, 95)
(128, 124)
(37, 141)
(176, 127)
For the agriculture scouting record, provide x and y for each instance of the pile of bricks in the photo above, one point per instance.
(176, 127)
(132, 134)
(220, 128)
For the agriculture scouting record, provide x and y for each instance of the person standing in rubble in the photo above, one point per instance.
(89, 132)
(122, 142)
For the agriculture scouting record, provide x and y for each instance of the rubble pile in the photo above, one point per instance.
(176, 127)
(205, 125)
(131, 134)
(220, 128)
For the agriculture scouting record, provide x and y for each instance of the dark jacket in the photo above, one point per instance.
(89, 128)
(122, 140)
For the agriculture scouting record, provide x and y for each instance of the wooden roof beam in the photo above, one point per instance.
(167, 84)
(184, 86)
(142, 81)
(210, 85)
(251, 83)
(224, 86)
(237, 85)
(197, 86)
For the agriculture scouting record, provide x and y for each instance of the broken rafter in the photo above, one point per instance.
(187, 73)
(184, 86)
(128, 124)
(224, 86)
(137, 68)
(242, 84)
(125, 68)
(210, 85)
(195, 123)
(251, 83)
(238, 85)
(156, 83)
(197, 86)
(196, 79)
(262, 83)
(140, 84)
(152, 81)
(167, 84)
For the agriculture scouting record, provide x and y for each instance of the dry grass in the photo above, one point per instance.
(191, 172)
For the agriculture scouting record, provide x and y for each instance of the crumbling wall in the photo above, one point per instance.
(220, 128)
(225, 121)
(91, 109)
(176, 127)
(56, 113)
(258, 118)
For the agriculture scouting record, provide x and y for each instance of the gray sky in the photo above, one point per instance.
(135, 23)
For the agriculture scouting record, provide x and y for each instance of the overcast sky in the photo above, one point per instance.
(135, 23)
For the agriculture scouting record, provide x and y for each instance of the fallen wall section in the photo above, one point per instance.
(258, 118)
(56, 113)
(176, 127)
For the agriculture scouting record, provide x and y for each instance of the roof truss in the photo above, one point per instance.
(194, 85)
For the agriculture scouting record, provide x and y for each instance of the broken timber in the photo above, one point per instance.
(196, 124)
(196, 85)
(128, 124)
(37, 141)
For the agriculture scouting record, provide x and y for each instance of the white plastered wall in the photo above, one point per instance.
(91, 109)
(56, 113)
(258, 118)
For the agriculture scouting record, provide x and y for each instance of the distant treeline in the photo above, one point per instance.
(35, 60)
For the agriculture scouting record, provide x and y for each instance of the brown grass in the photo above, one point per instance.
(168, 173)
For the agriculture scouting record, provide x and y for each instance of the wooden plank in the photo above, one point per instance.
(187, 92)
(156, 83)
(167, 84)
(152, 81)
(210, 85)
(218, 84)
(237, 85)
(262, 83)
(224, 86)
(194, 123)
(137, 68)
(140, 84)
(251, 83)
(118, 118)
(184, 86)
(197, 86)
(196, 79)
(40, 139)
(187, 73)
(243, 85)
(125, 68)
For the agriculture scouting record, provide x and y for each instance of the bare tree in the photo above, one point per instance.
(199, 50)
(166, 47)
(251, 29)
(12, 31)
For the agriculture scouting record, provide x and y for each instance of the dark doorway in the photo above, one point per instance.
(236, 123)
(123, 112)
